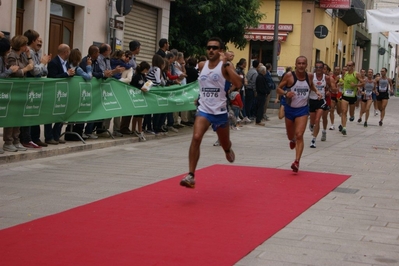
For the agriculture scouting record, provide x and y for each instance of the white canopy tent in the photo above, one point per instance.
(383, 20)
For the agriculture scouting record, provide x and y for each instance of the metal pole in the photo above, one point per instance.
(114, 30)
(275, 39)
(274, 60)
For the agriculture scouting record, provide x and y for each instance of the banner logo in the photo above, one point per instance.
(5, 97)
(108, 99)
(137, 97)
(34, 99)
(86, 99)
(61, 98)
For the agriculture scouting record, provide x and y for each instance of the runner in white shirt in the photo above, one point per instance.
(212, 108)
(298, 85)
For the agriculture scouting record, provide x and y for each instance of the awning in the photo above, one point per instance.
(265, 36)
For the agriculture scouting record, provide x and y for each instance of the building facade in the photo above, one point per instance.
(308, 28)
(81, 23)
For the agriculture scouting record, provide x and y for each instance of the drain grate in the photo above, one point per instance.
(346, 190)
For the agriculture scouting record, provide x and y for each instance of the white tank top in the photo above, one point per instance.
(301, 90)
(383, 85)
(212, 98)
(320, 86)
(368, 87)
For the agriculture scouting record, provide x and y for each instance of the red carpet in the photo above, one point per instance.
(232, 210)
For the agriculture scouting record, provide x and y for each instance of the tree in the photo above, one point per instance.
(193, 22)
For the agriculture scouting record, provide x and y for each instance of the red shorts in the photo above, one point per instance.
(328, 100)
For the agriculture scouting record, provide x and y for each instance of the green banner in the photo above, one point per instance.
(37, 101)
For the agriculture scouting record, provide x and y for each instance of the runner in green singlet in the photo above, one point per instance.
(352, 81)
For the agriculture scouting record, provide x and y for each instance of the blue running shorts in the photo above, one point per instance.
(292, 113)
(216, 121)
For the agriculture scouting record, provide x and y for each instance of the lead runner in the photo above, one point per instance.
(212, 109)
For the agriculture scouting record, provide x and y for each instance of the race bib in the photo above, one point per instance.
(210, 92)
(368, 93)
(383, 89)
(349, 93)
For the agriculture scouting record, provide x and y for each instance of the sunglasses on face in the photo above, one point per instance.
(213, 47)
(319, 67)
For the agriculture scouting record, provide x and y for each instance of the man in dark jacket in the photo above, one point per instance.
(262, 90)
(58, 68)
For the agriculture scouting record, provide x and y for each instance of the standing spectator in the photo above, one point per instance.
(58, 68)
(262, 91)
(118, 59)
(105, 65)
(250, 90)
(192, 76)
(236, 105)
(155, 75)
(134, 47)
(5, 73)
(163, 47)
(271, 86)
(127, 74)
(19, 56)
(92, 56)
(138, 81)
(240, 67)
(39, 70)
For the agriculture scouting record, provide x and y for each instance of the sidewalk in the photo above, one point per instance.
(356, 224)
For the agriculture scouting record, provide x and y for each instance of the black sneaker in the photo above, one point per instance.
(352, 118)
(359, 120)
(380, 123)
(340, 128)
(365, 124)
(188, 181)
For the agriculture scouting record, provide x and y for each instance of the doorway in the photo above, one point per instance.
(262, 51)
(61, 26)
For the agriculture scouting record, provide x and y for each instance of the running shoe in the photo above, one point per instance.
(216, 143)
(188, 181)
(359, 120)
(375, 113)
(365, 124)
(313, 143)
(340, 128)
(141, 136)
(332, 127)
(295, 166)
(230, 156)
(310, 127)
(380, 123)
(351, 118)
(343, 131)
(292, 144)
(323, 136)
